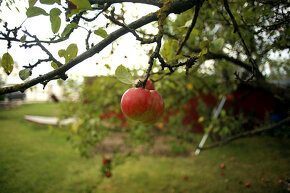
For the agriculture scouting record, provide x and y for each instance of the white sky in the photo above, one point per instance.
(40, 26)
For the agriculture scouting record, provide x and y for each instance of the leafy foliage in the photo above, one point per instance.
(227, 38)
(99, 114)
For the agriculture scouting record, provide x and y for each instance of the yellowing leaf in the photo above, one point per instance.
(72, 51)
(25, 73)
(189, 86)
(62, 53)
(124, 75)
(200, 119)
(7, 63)
(54, 65)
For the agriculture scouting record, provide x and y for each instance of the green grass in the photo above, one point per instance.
(36, 159)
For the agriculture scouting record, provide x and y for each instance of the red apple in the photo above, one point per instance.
(230, 97)
(108, 174)
(106, 161)
(185, 177)
(222, 166)
(263, 179)
(149, 84)
(142, 105)
(247, 185)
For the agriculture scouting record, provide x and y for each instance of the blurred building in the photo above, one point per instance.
(38, 94)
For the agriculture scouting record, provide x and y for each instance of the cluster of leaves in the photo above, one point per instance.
(98, 97)
(187, 41)
(35, 9)
(99, 114)
(212, 36)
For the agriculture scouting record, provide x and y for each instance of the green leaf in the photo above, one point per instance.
(62, 53)
(177, 57)
(82, 4)
(203, 51)
(55, 20)
(124, 75)
(25, 73)
(68, 28)
(35, 11)
(32, 2)
(55, 12)
(107, 66)
(7, 63)
(217, 44)
(71, 51)
(194, 32)
(50, 2)
(23, 38)
(101, 32)
(204, 44)
(54, 65)
(168, 49)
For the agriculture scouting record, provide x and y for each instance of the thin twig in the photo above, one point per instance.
(94, 18)
(87, 39)
(236, 29)
(248, 133)
(193, 22)
(59, 64)
(142, 40)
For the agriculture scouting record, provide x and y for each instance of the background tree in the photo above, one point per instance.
(242, 33)
(239, 38)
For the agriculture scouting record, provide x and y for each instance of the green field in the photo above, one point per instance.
(34, 158)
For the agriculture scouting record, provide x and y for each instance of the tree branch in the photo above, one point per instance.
(211, 55)
(149, 2)
(248, 133)
(176, 7)
(193, 22)
(255, 70)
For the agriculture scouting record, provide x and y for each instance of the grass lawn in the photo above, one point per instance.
(36, 159)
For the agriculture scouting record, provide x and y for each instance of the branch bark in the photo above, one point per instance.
(176, 7)
(211, 55)
(248, 133)
(149, 2)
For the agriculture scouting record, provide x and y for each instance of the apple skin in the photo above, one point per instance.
(222, 166)
(149, 84)
(106, 161)
(108, 174)
(142, 105)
